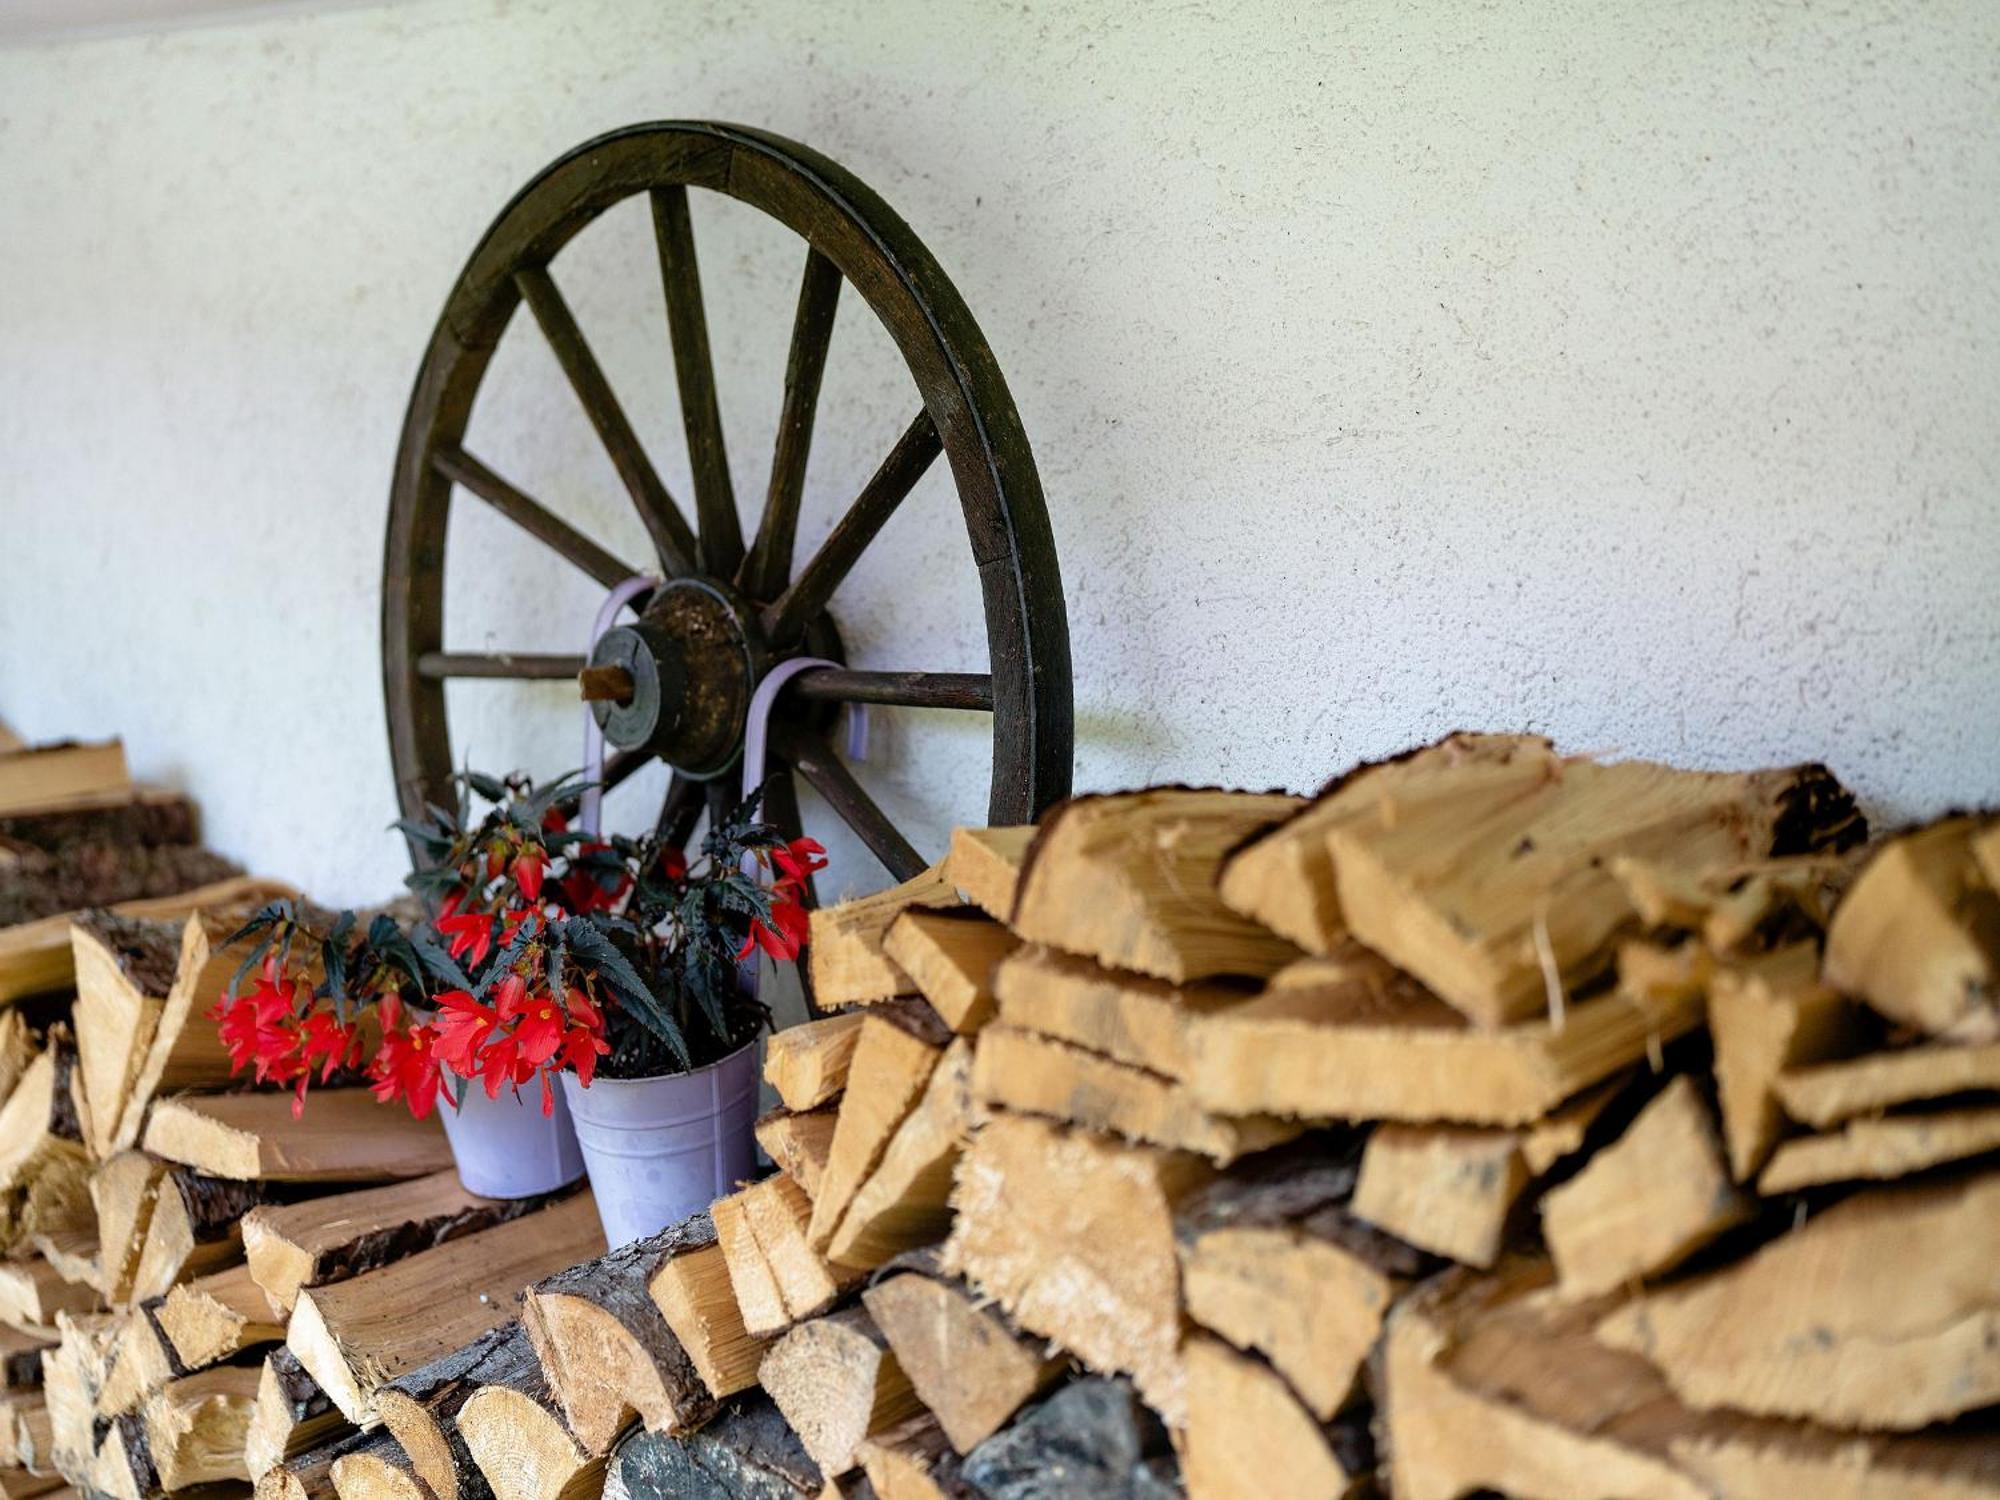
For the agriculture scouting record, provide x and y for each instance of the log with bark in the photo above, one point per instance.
(422, 1407)
(748, 1452)
(520, 1444)
(292, 1415)
(309, 1475)
(690, 1285)
(195, 1227)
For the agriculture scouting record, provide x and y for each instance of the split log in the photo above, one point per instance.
(759, 1303)
(1073, 1235)
(1644, 1204)
(607, 1351)
(21, 1359)
(749, 1452)
(1730, 909)
(1767, 1016)
(322, 1240)
(35, 957)
(123, 1467)
(24, 1430)
(122, 1191)
(1129, 1018)
(1918, 937)
(523, 1449)
(1282, 876)
(73, 1252)
(984, 865)
(912, 1461)
(690, 1285)
(1091, 1440)
(309, 1475)
(292, 1416)
(18, 1050)
(807, 1064)
(19, 1484)
(1248, 1436)
(1129, 880)
(195, 1228)
(1353, 1038)
(213, 1317)
(42, 1122)
(41, 776)
(1275, 1260)
(965, 1362)
(1493, 894)
(196, 1427)
(356, 1335)
(377, 1474)
(422, 1407)
(1823, 1095)
(72, 1374)
(905, 1201)
(1882, 1149)
(799, 1143)
(950, 955)
(1877, 1313)
(345, 1137)
(844, 951)
(778, 1277)
(33, 1293)
(890, 1068)
(837, 1383)
(124, 970)
(1037, 1075)
(141, 1362)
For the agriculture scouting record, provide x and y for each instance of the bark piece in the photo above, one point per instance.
(292, 1415)
(322, 1240)
(844, 950)
(691, 1288)
(837, 1382)
(1248, 1435)
(1275, 1261)
(1823, 1095)
(356, 1335)
(799, 1143)
(984, 864)
(122, 1190)
(1767, 1016)
(1129, 880)
(196, 1427)
(1880, 1150)
(889, 1071)
(1499, 890)
(1130, 1018)
(344, 1137)
(607, 1350)
(1643, 1205)
(1878, 1313)
(422, 1407)
(1352, 1038)
(1073, 1235)
(1091, 1440)
(213, 1317)
(195, 1228)
(749, 1452)
(950, 955)
(523, 1449)
(42, 776)
(967, 1363)
(1918, 936)
(1029, 1074)
(905, 1201)
(807, 1064)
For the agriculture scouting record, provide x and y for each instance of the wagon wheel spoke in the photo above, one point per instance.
(517, 666)
(664, 523)
(721, 544)
(802, 602)
(770, 559)
(462, 469)
(677, 814)
(829, 776)
(971, 690)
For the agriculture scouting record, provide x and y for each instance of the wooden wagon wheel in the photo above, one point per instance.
(727, 613)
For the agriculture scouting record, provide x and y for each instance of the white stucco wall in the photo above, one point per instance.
(1623, 371)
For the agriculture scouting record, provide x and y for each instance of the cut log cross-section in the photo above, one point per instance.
(377, 1472)
(422, 1407)
(799, 1143)
(523, 1449)
(213, 1317)
(355, 1335)
(951, 955)
(1245, 1425)
(345, 1137)
(807, 1064)
(124, 971)
(196, 1427)
(837, 1383)
(984, 865)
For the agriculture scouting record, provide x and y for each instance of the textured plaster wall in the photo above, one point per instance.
(1624, 371)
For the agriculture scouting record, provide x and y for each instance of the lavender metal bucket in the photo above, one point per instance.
(506, 1147)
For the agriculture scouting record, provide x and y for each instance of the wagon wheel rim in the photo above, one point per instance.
(777, 606)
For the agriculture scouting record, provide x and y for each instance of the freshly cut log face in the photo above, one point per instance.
(844, 951)
(309, 1475)
(1246, 1429)
(292, 1415)
(1823, 1095)
(376, 1474)
(1877, 1313)
(523, 1449)
(321, 1240)
(1030, 1074)
(759, 1303)
(905, 1201)
(799, 1143)
(122, 1192)
(422, 1407)
(1352, 1038)
(213, 1317)
(1493, 895)
(45, 775)
(609, 1350)
(1878, 1150)
(1129, 880)
(195, 1228)
(807, 1064)
(984, 864)
(1283, 876)
(837, 1383)
(1918, 937)
(124, 969)
(890, 1068)
(196, 1427)
(1073, 1235)
(950, 955)
(345, 1137)
(965, 1361)
(356, 1335)
(1644, 1204)
(1129, 1018)
(1447, 1188)
(1767, 1016)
